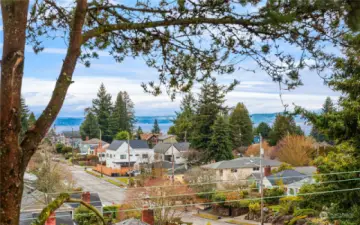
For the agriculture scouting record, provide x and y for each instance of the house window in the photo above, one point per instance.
(122, 156)
(145, 156)
(131, 155)
(107, 154)
(178, 157)
(110, 156)
(256, 169)
(221, 173)
(233, 170)
(137, 155)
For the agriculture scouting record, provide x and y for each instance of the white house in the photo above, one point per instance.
(166, 152)
(119, 152)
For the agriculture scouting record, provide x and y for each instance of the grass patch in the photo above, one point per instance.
(238, 222)
(93, 173)
(275, 208)
(125, 180)
(207, 216)
(114, 182)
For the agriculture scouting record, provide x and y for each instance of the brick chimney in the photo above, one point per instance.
(267, 171)
(51, 220)
(148, 216)
(85, 196)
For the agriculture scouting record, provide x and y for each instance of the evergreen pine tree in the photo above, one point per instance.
(241, 126)
(102, 108)
(129, 113)
(117, 119)
(156, 128)
(283, 125)
(264, 129)
(139, 132)
(220, 147)
(209, 105)
(122, 135)
(24, 114)
(31, 120)
(328, 106)
(90, 127)
(183, 123)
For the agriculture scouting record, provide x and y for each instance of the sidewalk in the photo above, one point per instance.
(106, 178)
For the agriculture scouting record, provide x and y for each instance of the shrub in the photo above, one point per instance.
(305, 212)
(81, 163)
(66, 149)
(219, 197)
(253, 187)
(270, 195)
(282, 167)
(296, 218)
(288, 204)
(111, 210)
(254, 207)
(84, 216)
(131, 182)
(59, 147)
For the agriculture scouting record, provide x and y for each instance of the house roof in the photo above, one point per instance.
(256, 176)
(94, 141)
(94, 200)
(131, 221)
(165, 165)
(286, 176)
(307, 170)
(62, 218)
(163, 147)
(166, 136)
(74, 134)
(135, 144)
(242, 162)
(147, 136)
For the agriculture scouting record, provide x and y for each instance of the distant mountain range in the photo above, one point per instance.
(146, 122)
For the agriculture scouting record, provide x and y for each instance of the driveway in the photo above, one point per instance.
(109, 193)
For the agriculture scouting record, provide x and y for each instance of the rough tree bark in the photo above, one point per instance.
(15, 156)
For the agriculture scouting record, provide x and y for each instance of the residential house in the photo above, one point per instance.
(150, 138)
(292, 180)
(65, 214)
(71, 138)
(147, 218)
(121, 154)
(239, 169)
(168, 152)
(168, 138)
(88, 147)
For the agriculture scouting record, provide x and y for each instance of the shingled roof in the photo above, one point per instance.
(134, 144)
(163, 147)
(243, 162)
(286, 176)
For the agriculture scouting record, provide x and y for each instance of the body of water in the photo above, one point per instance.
(147, 122)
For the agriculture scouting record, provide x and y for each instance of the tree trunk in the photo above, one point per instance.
(14, 157)
(14, 17)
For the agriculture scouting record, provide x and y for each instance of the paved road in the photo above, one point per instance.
(108, 192)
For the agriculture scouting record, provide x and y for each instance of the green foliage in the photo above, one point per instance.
(156, 128)
(272, 193)
(31, 120)
(184, 121)
(90, 127)
(102, 108)
(305, 212)
(295, 219)
(283, 125)
(111, 210)
(220, 147)
(24, 113)
(289, 204)
(328, 106)
(282, 167)
(254, 208)
(241, 126)
(85, 216)
(122, 117)
(59, 147)
(210, 104)
(264, 129)
(139, 132)
(122, 135)
(66, 149)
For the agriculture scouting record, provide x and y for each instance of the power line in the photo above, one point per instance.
(217, 202)
(221, 191)
(218, 181)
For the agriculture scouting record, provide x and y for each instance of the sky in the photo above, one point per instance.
(256, 90)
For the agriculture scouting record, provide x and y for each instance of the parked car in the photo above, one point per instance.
(133, 173)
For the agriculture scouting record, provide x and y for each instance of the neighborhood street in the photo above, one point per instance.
(108, 192)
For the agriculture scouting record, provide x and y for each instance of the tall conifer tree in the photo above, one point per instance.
(102, 108)
(156, 128)
(90, 127)
(241, 128)
(220, 147)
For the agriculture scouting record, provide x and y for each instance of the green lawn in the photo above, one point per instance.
(125, 180)
(207, 216)
(238, 222)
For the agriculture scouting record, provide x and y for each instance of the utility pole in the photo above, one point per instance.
(129, 150)
(101, 165)
(173, 161)
(72, 146)
(261, 182)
